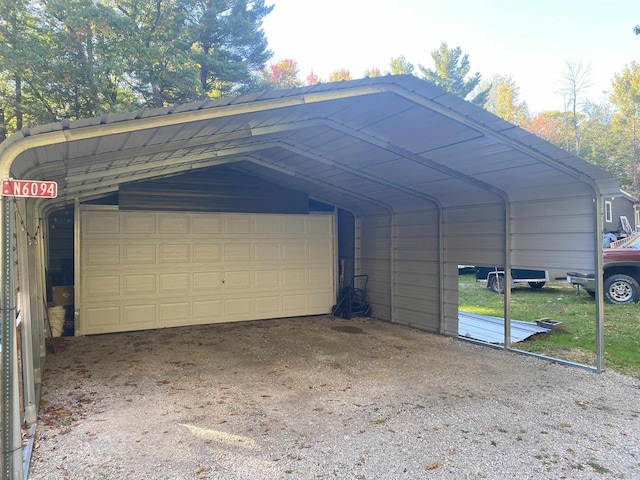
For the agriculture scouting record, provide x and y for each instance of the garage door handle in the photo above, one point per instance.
(223, 280)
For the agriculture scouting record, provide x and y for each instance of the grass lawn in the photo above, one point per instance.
(574, 340)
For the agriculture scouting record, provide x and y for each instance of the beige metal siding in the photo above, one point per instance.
(416, 270)
(450, 292)
(373, 258)
(474, 235)
(157, 269)
(553, 234)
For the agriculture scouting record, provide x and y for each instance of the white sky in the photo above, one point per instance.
(530, 40)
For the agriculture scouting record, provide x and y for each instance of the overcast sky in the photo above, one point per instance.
(528, 39)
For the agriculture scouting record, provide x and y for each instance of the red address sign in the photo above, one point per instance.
(29, 188)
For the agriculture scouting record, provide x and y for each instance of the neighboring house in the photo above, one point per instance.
(626, 205)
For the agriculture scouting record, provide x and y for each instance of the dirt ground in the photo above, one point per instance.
(319, 397)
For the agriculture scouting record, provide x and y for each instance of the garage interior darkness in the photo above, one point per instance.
(401, 180)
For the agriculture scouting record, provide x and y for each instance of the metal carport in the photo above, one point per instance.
(432, 181)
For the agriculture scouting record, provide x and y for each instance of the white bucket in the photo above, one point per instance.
(56, 320)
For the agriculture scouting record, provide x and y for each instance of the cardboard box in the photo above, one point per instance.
(63, 295)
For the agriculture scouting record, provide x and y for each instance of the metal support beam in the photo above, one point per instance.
(23, 247)
(599, 281)
(507, 276)
(9, 409)
(77, 287)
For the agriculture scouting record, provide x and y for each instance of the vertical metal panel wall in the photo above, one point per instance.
(474, 235)
(553, 234)
(416, 264)
(373, 258)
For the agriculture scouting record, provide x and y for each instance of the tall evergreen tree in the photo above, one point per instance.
(451, 72)
(400, 65)
(79, 58)
(229, 44)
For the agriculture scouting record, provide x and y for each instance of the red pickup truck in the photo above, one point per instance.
(621, 267)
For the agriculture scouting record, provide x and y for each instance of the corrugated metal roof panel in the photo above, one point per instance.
(491, 329)
(374, 129)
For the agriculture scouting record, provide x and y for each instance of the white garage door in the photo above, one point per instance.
(143, 270)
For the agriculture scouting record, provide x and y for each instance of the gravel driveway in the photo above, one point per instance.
(325, 398)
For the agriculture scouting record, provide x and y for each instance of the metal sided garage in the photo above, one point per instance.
(430, 181)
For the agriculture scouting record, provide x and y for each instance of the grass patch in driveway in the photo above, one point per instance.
(575, 339)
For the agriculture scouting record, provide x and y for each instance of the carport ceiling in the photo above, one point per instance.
(380, 144)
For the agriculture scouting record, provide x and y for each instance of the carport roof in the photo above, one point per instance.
(380, 144)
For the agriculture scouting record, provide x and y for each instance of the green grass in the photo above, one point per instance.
(575, 339)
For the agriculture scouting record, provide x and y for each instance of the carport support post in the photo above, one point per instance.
(507, 277)
(9, 408)
(599, 280)
(28, 361)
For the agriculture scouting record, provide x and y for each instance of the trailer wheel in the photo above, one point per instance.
(536, 285)
(496, 283)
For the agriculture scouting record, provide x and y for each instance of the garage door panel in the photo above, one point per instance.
(103, 286)
(293, 224)
(319, 251)
(101, 319)
(207, 310)
(138, 224)
(140, 316)
(101, 223)
(269, 252)
(139, 284)
(267, 279)
(208, 281)
(268, 306)
(101, 255)
(294, 252)
(174, 313)
(294, 278)
(235, 224)
(320, 277)
(238, 306)
(206, 225)
(198, 268)
(292, 304)
(175, 254)
(172, 283)
(207, 253)
(237, 252)
(235, 280)
(267, 224)
(319, 225)
(137, 254)
(173, 224)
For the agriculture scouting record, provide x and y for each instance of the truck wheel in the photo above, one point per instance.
(620, 288)
(536, 285)
(496, 283)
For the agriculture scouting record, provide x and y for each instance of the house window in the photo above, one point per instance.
(608, 213)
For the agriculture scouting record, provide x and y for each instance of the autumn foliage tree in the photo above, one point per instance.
(339, 75)
(503, 99)
(282, 74)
